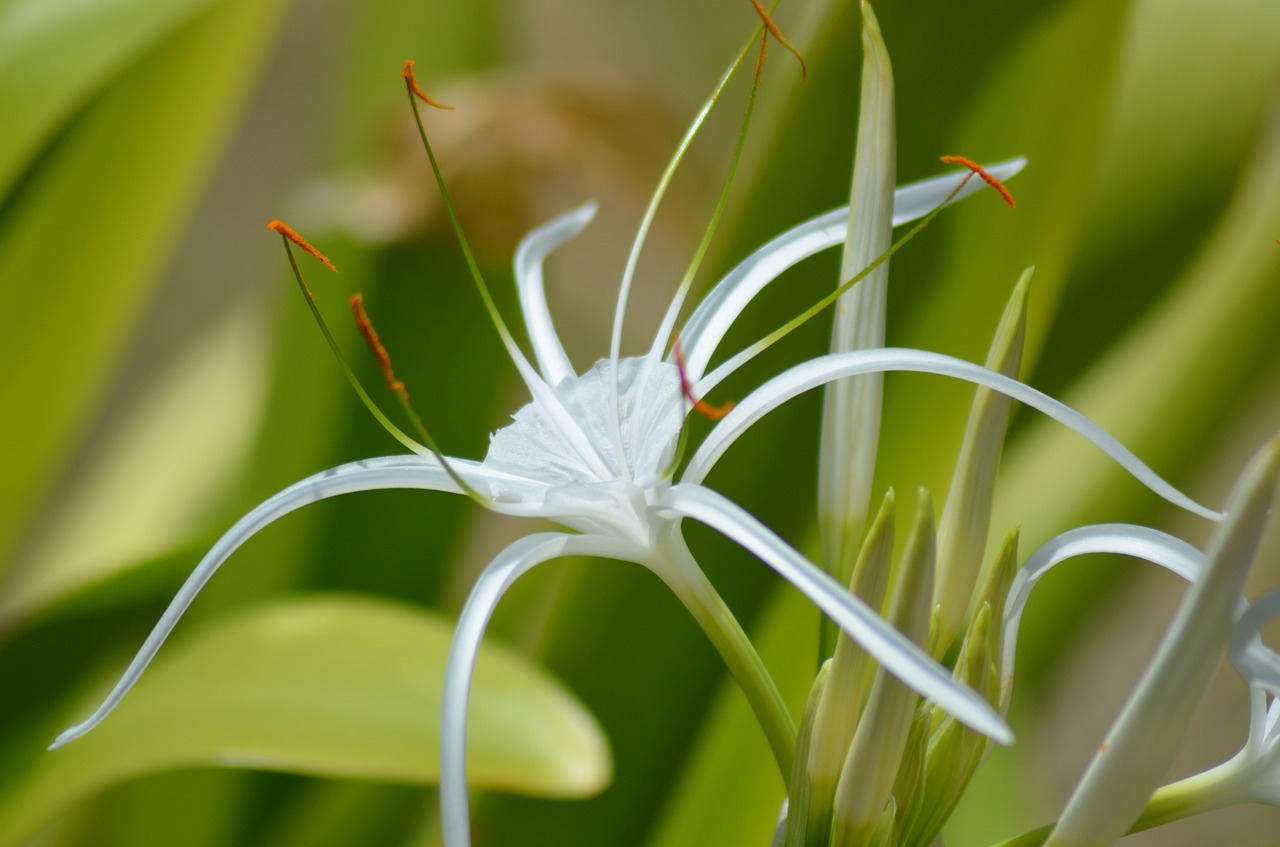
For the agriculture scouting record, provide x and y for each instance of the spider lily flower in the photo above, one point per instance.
(598, 452)
(1136, 752)
(1117, 793)
(564, 459)
(1253, 774)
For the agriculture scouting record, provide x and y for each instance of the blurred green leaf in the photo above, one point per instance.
(75, 268)
(54, 56)
(338, 686)
(1183, 127)
(147, 491)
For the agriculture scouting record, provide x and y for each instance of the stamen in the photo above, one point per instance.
(427, 446)
(407, 73)
(986, 177)
(371, 336)
(702, 407)
(782, 39)
(291, 234)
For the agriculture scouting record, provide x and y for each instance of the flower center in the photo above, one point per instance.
(637, 450)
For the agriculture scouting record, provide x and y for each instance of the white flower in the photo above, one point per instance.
(1253, 774)
(1117, 794)
(596, 453)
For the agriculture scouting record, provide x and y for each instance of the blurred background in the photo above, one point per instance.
(163, 377)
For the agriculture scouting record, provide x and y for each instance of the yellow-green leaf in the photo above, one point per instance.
(338, 686)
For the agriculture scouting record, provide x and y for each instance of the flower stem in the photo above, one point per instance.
(1186, 798)
(686, 579)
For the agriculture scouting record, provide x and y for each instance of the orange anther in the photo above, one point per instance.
(407, 73)
(764, 51)
(702, 407)
(986, 177)
(292, 234)
(777, 33)
(375, 344)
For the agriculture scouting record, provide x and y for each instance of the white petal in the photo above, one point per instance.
(533, 249)
(509, 565)
(816, 372)
(650, 414)
(1140, 542)
(368, 475)
(891, 648)
(1256, 662)
(708, 324)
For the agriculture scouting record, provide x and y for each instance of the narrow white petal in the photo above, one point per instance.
(819, 371)
(708, 324)
(1139, 542)
(368, 475)
(509, 565)
(891, 648)
(533, 249)
(1256, 662)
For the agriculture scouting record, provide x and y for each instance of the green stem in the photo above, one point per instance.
(683, 575)
(1186, 798)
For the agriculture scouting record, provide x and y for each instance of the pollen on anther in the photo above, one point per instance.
(375, 344)
(782, 39)
(290, 233)
(986, 177)
(702, 407)
(764, 51)
(407, 73)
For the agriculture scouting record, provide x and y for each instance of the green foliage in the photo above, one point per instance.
(341, 687)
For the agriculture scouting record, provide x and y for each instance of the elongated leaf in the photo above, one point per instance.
(336, 686)
(56, 55)
(147, 492)
(84, 241)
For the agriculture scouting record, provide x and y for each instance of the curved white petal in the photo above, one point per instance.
(1140, 542)
(533, 249)
(887, 645)
(1257, 663)
(651, 413)
(367, 475)
(816, 372)
(707, 326)
(507, 567)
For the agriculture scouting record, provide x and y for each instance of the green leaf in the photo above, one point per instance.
(145, 491)
(54, 56)
(84, 241)
(338, 686)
